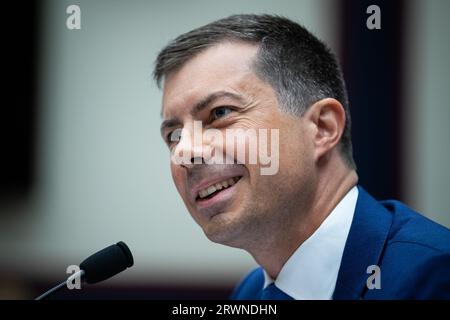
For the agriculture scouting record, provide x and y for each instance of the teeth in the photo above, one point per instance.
(216, 187)
(211, 189)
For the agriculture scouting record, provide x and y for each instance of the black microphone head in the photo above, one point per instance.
(107, 262)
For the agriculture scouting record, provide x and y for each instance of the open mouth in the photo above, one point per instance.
(216, 188)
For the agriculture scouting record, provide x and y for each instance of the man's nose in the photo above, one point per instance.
(191, 148)
(193, 161)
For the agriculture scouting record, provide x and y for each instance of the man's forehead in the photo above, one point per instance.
(219, 68)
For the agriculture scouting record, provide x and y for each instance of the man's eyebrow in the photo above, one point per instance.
(205, 102)
(202, 104)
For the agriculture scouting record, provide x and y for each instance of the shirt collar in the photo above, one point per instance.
(311, 272)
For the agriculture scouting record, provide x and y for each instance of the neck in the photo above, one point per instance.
(333, 184)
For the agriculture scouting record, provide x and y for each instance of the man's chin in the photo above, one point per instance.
(224, 229)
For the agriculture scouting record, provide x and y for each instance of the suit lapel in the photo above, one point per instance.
(364, 246)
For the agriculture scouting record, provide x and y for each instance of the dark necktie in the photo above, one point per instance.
(271, 292)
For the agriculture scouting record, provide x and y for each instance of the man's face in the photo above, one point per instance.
(249, 206)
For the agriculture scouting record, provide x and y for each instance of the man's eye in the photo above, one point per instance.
(220, 112)
(174, 136)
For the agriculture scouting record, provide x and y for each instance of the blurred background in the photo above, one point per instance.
(83, 165)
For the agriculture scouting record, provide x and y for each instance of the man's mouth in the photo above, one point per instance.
(216, 188)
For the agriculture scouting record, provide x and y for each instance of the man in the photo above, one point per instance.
(313, 231)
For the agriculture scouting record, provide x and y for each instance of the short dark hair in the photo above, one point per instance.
(300, 68)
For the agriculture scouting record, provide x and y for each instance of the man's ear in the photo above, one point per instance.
(327, 120)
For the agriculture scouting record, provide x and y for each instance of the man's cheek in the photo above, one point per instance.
(178, 180)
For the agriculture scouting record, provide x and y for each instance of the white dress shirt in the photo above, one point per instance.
(311, 272)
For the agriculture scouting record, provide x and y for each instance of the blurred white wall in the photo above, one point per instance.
(427, 109)
(103, 170)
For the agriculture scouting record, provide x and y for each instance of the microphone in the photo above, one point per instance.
(100, 266)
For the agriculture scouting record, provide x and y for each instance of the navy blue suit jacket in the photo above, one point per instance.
(412, 252)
